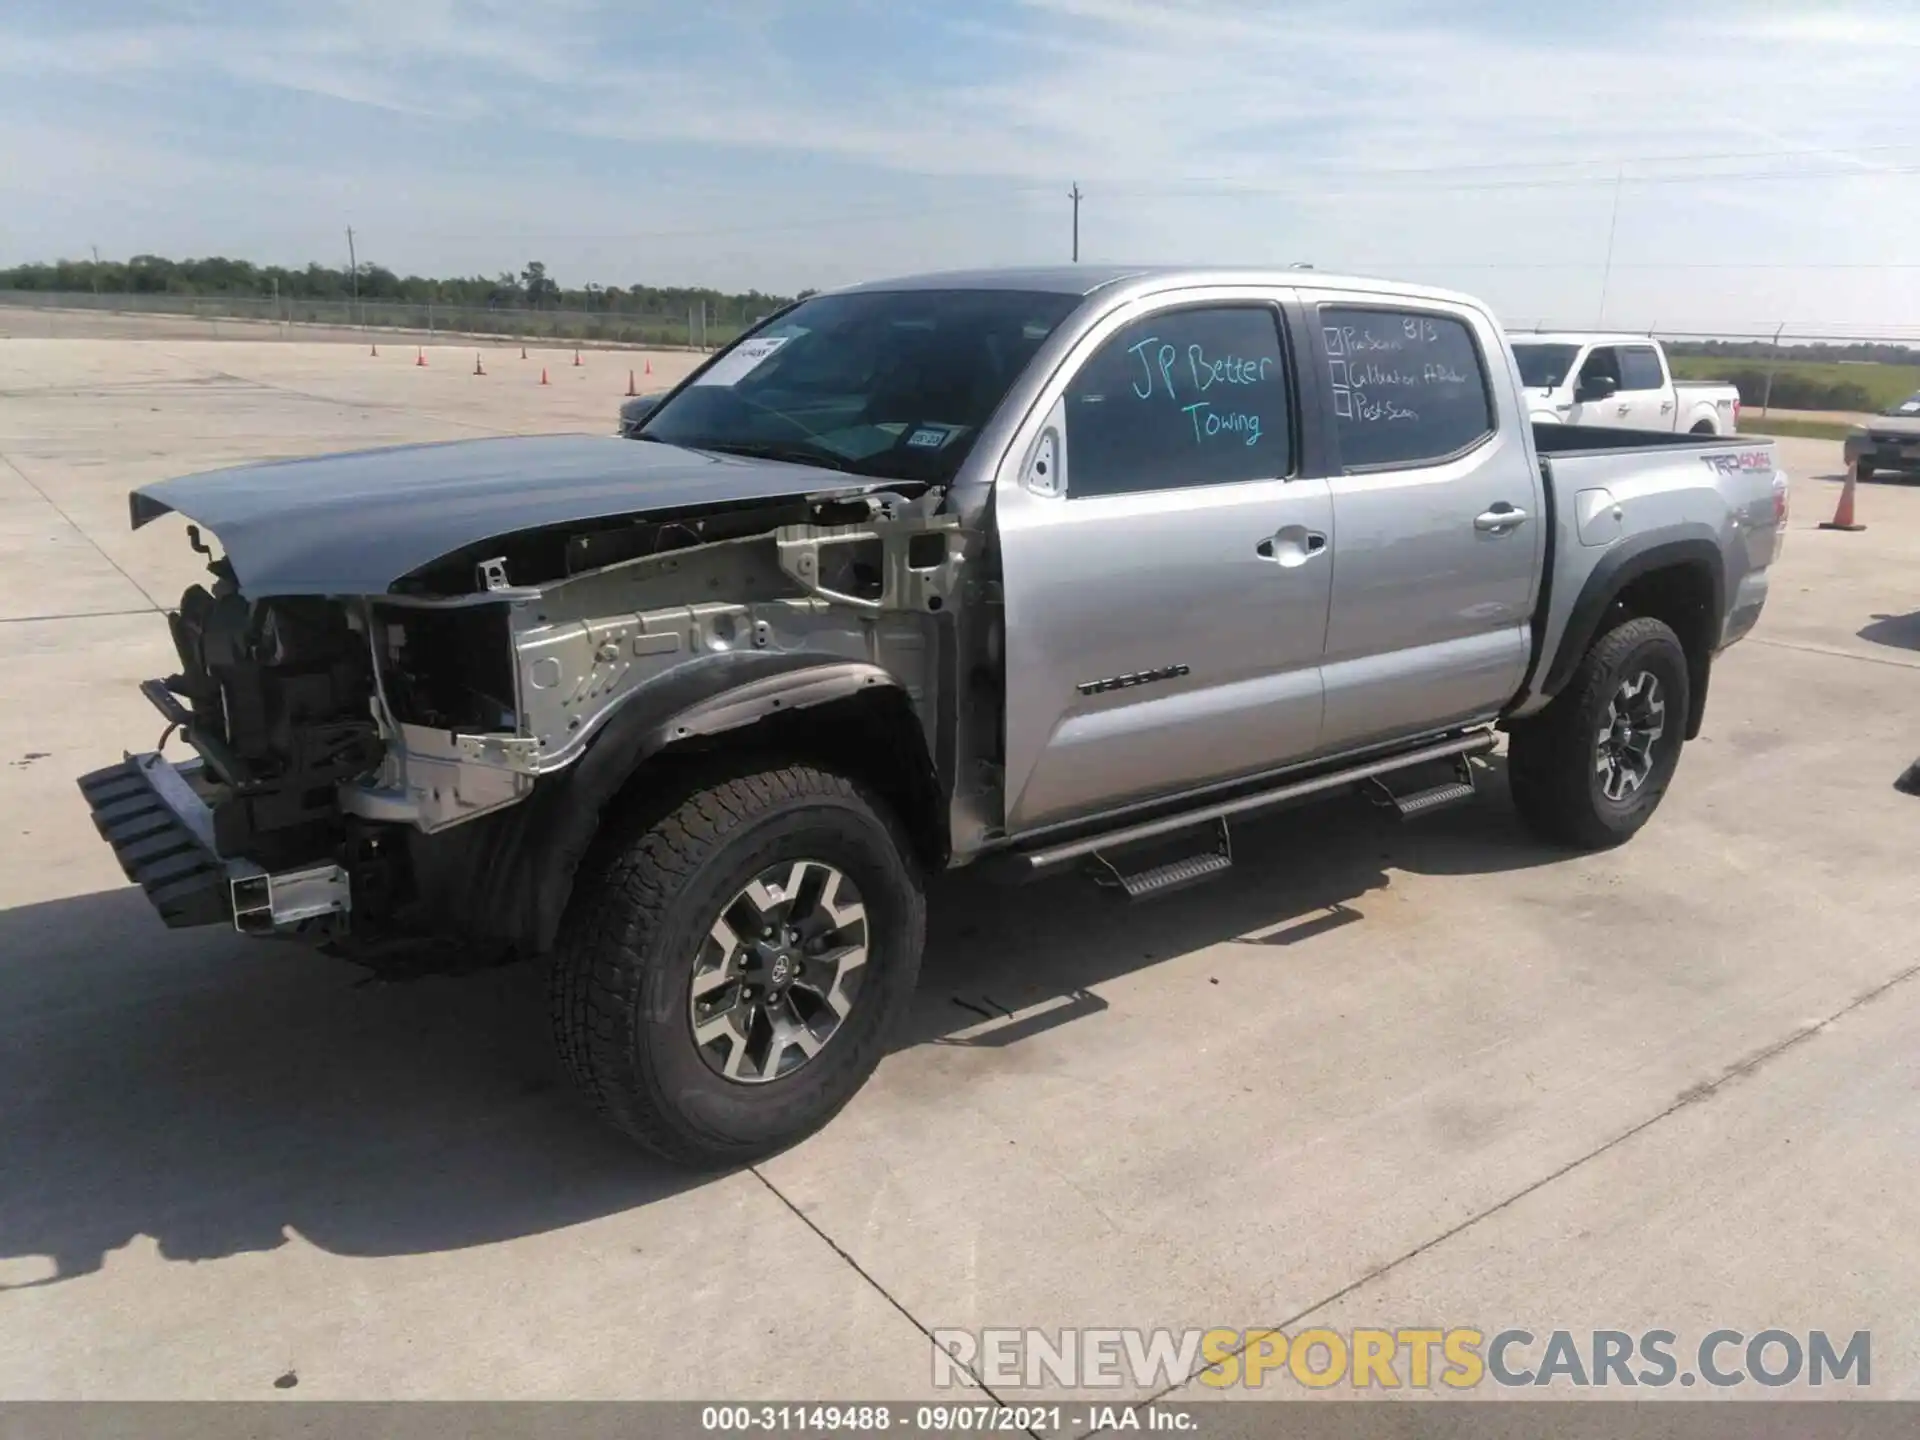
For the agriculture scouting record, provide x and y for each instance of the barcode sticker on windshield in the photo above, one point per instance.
(742, 361)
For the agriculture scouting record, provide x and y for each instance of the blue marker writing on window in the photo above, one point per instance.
(1208, 422)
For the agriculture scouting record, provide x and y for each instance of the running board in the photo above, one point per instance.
(1434, 797)
(1478, 743)
(1173, 874)
(1421, 801)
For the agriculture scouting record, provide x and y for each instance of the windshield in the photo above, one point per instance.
(1908, 406)
(1544, 367)
(894, 384)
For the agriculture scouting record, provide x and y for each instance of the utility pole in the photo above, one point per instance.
(1773, 363)
(353, 264)
(1613, 225)
(1074, 195)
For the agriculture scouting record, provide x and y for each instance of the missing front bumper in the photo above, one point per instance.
(161, 831)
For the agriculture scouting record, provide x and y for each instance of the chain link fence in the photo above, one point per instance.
(700, 327)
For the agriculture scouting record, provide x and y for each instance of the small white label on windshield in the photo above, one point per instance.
(931, 437)
(742, 361)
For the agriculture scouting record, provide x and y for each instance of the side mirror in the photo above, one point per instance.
(1592, 388)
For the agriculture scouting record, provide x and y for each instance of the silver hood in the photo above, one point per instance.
(357, 523)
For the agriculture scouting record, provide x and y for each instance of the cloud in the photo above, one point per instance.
(818, 142)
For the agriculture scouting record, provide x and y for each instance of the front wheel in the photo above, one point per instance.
(728, 975)
(1590, 769)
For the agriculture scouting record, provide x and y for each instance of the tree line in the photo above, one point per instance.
(532, 288)
(1871, 352)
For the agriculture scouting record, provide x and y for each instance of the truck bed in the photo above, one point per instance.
(1609, 490)
(1555, 439)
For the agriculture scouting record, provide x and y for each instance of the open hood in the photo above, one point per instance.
(357, 523)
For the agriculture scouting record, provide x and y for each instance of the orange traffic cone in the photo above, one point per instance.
(1843, 512)
(630, 389)
(523, 352)
(543, 374)
(374, 349)
(476, 364)
(421, 358)
(649, 367)
(576, 356)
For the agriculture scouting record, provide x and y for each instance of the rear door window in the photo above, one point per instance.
(1640, 368)
(1408, 386)
(1184, 398)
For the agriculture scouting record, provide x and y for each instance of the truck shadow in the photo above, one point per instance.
(1900, 631)
(1004, 962)
(220, 1096)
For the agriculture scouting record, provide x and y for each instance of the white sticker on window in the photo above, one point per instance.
(742, 361)
(930, 438)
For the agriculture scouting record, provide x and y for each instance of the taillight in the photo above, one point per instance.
(1780, 499)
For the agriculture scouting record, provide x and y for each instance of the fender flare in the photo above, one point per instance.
(507, 877)
(1692, 544)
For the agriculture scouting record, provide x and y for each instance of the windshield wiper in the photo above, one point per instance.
(773, 450)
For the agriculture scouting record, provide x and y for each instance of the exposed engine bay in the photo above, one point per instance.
(370, 747)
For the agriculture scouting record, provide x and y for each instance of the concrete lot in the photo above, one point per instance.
(1377, 1075)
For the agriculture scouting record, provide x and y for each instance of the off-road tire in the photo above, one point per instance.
(1863, 471)
(1552, 758)
(623, 967)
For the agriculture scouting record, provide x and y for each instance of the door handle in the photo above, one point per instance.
(1293, 545)
(1625, 408)
(1500, 519)
(1665, 405)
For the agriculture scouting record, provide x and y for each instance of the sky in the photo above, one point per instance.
(1743, 165)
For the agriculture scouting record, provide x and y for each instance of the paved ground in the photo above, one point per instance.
(1432, 1075)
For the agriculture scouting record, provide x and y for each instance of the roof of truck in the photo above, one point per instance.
(1579, 337)
(1084, 279)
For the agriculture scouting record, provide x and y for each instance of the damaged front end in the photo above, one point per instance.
(430, 762)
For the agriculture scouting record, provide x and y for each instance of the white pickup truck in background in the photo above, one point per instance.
(1622, 381)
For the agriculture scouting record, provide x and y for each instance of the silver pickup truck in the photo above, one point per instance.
(1065, 568)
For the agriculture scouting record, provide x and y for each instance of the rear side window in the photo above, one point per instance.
(1408, 387)
(1184, 398)
(1640, 368)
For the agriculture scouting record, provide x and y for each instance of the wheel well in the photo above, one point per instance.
(1703, 427)
(872, 737)
(1681, 595)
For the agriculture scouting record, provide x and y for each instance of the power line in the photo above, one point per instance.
(1229, 187)
(1234, 191)
(1609, 161)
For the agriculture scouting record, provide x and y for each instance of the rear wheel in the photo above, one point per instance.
(1590, 769)
(1863, 471)
(1705, 427)
(729, 974)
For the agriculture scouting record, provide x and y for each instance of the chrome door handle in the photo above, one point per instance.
(1293, 545)
(1500, 519)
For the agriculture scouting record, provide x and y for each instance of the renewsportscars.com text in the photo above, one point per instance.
(1399, 1359)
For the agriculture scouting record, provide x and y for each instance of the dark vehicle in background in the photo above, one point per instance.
(634, 411)
(1888, 441)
